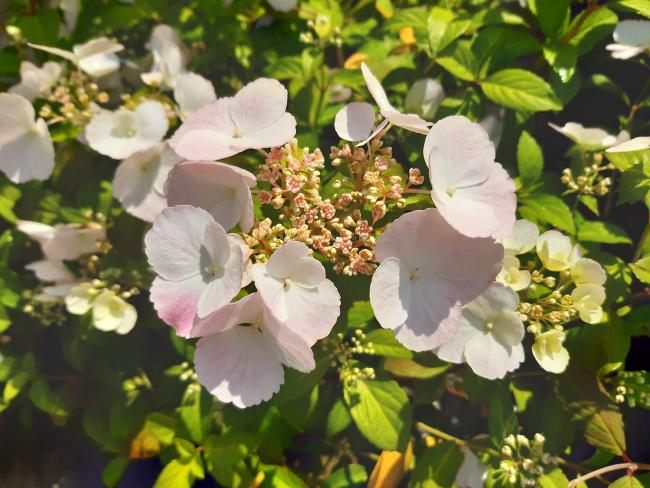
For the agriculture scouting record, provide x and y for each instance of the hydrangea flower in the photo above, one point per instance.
(590, 138)
(355, 121)
(555, 250)
(293, 286)
(631, 38)
(242, 349)
(522, 239)
(511, 275)
(550, 352)
(221, 189)
(424, 97)
(428, 271)
(139, 181)
(200, 268)
(254, 118)
(34, 81)
(465, 180)
(588, 300)
(472, 472)
(96, 57)
(55, 272)
(586, 271)
(168, 57)
(63, 241)
(489, 335)
(26, 149)
(110, 312)
(192, 92)
(391, 115)
(122, 133)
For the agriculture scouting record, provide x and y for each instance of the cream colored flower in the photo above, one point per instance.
(550, 352)
(586, 271)
(510, 274)
(555, 250)
(587, 300)
(112, 313)
(522, 239)
(80, 298)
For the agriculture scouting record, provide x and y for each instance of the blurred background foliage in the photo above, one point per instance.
(81, 407)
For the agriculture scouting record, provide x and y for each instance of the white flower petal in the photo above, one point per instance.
(355, 121)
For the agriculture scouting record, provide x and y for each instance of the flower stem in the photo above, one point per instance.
(455, 440)
(631, 467)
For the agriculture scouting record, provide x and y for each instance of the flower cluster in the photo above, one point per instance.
(525, 460)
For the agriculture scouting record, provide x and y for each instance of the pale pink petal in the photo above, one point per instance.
(259, 105)
(375, 89)
(215, 242)
(54, 271)
(487, 357)
(389, 293)
(454, 350)
(276, 134)
(382, 125)
(281, 261)
(458, 152)
(410, 122)
(430, 323)
(173, 244)
(207, 134)
(246, 310)
(223, 284)
(291, 347)
(508, 328)
(238, 366)
(271, 290)
(355, 121)
(221, 189)
(193, 91)
(71, 241)
(307, 272)
(176, 301)
(492, 201)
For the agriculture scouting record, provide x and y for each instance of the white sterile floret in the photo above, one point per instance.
(489, 335)
(586, 271)
(96, 57)
(590, 138)
(588, 300)
(283, 5)
(124, 132)
(428, 271)
(112, 313)
(631, 38)
(55, 272)
(550, 352)
(221, 189)
(242, 349)
(255, 118)
(511, 275)
(555, 250)
(191, 92)
(424, 97)
(139, 181)
(26, 149)
(472, 472)
(472, 191)
(294, 287)
(391, 115)
(34, 81)
(168, 57)
(63, 241)
(355, 121)
(200, 268)
(522, 239)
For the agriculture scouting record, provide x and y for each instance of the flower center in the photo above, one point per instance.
(287, 283)
(238, 133)
(211, 270)
(489, 325)
(451, 190)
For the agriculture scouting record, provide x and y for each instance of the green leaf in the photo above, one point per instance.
(162, 427)
(225, 454)
(114, 471)
(520, 90)
(381, 412)
(605, 232)
(384, 343)
(47, 400)
(554, 479)
(437, 467)
(42, 28)
(593, 26)
(338, 419)
(626, 482)
(641, 7)
(359, 315)
(549, 209)
(281, 477)
(634, 186)
(641, 269)
(406, 368)
(627, 155)
(347, 476)
(552, 18)
(176, 474)
(530, 159)
(444, 28)
(502, 420)
(460, 62)
(562, 58)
